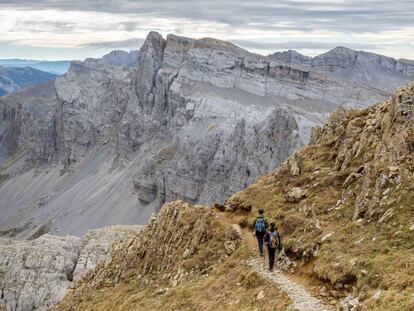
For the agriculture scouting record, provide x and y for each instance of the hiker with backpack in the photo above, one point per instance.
(260, 225)
(273, 242)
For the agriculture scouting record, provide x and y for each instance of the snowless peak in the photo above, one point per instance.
(153, 38)
(341, 49)
(212, 43)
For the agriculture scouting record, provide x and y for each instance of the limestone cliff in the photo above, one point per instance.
(36, 274)
(366, 68)
(194, 119)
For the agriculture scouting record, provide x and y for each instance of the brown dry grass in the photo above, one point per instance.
(367, 256)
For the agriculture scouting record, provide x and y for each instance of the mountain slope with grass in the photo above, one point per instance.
(185, 259)
(345, 204)
(344, 207)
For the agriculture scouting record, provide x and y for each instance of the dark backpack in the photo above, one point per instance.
(274, 240)
(259, 225)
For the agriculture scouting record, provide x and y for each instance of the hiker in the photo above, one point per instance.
(273, 242)
(260, 225)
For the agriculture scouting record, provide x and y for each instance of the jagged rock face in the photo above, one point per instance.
(37, 271)
(93, 100)
(28, 122)
(196, 120)
(382, 136)
(366, 68)
(222, 114)
(36, 274)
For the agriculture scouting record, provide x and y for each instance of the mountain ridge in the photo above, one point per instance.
(205, 112)
(358, 66)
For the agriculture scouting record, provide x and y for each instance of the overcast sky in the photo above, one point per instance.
(76, 29)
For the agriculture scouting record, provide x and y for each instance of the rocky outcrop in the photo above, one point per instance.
(36, 274)
(195, 120)
(96, 244)
(380, 139)
(179, 230)
(362, 67)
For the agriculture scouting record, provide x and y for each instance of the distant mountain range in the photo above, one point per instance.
(13, 79)
(366, 68)
(16, 74)
(56, 67)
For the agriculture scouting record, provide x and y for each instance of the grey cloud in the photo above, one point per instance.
(45, 26)
(346, 16)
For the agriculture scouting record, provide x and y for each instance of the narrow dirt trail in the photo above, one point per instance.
(302, 300)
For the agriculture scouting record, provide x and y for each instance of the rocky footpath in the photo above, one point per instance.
(36, 274)
(302, 300)
(193, 119)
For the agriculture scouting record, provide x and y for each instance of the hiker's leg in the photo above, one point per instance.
(260, 242)
(271, 257)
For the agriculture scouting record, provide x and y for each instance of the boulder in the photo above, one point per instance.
(234, 236)
(295, 195)
(261, 295)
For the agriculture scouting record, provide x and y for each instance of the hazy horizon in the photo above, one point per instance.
(62, 30)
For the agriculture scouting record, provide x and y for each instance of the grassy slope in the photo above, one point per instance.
(384, 251)
(230, 286)
(375, 251)
(213, 281)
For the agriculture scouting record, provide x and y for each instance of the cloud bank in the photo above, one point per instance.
(263, 26)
